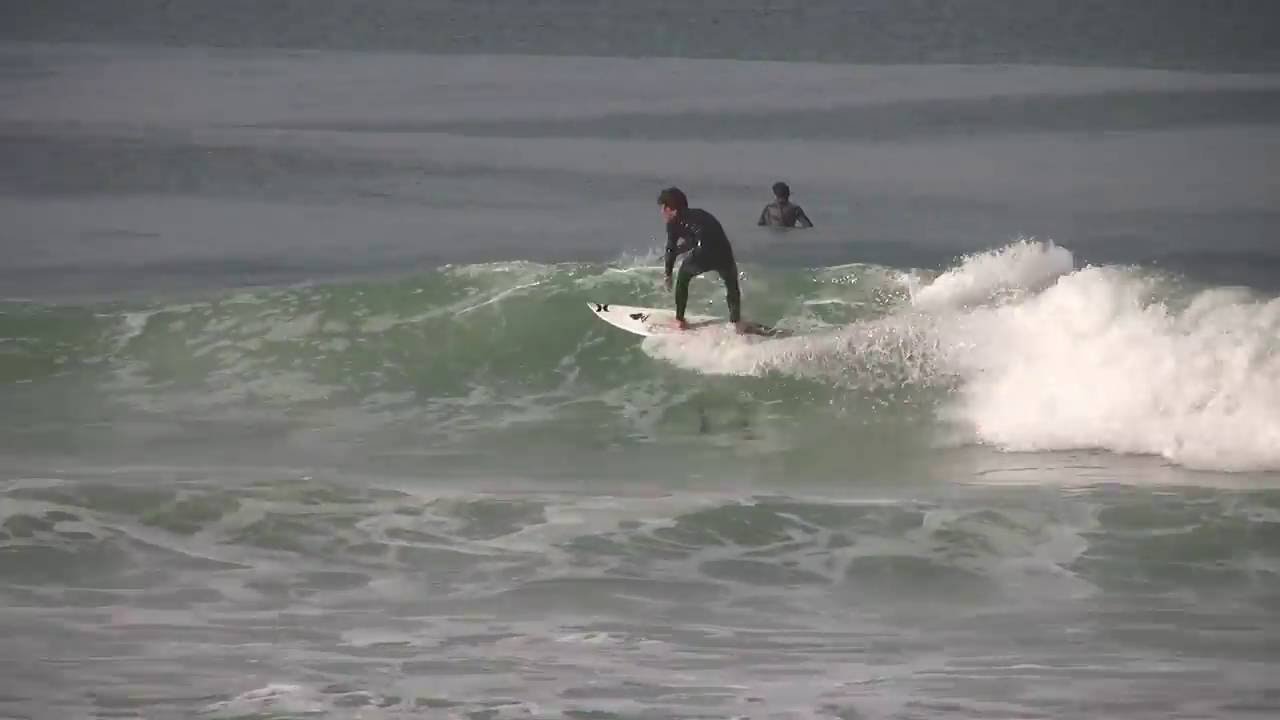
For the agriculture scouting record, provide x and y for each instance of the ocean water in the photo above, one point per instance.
(303, 412)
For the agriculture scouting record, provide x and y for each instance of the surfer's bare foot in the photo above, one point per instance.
(682, 324)
(742, 326)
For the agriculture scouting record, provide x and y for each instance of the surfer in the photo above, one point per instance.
(697, 232)
(782, 212)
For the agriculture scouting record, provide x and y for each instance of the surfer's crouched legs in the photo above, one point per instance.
(689, 269)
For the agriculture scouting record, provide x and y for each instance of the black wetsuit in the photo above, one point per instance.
(708, 249)
(783, 213)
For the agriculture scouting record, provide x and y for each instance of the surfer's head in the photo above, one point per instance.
(781, 190)
(672, 201)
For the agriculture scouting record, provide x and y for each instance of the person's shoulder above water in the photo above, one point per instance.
(782, 212)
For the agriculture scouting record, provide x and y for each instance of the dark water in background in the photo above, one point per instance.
(302, 412)
(1217, 35)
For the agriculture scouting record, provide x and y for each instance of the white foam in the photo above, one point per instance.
(861, 353)
(884, 352)
(1102, 360)
(134, 323)
(1010, 271)
(1050, 358)
(295, 328)
(273, 698)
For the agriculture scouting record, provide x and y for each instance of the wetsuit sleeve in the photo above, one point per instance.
(803, 219)
(672, 247)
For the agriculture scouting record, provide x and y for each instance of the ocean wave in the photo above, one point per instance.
(1015, 348)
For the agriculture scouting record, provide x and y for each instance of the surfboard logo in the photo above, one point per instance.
(639, 316)
(602, 308)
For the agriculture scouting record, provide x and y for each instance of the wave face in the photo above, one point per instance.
(1015, 348)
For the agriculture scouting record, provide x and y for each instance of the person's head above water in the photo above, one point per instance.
(672, 201)
(782, 212)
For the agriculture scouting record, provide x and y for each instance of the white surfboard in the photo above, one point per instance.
(647, 321)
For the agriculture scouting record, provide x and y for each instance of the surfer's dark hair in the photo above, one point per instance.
(782, 190)
(673, 197)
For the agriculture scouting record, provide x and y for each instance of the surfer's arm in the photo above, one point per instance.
(674, 248)
(764, 216)
(801, 219)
